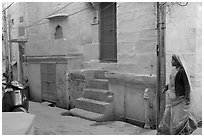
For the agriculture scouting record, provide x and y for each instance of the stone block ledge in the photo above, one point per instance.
(119, 77)
(17, 123)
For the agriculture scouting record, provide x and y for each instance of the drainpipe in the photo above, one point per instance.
(9, 46)
(5, 36)
(161, 59)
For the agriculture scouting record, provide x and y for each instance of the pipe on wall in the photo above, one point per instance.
(161, 58)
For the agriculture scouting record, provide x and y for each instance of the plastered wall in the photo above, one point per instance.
(184, 37)
(77, 30)
(136, 37)
(16, 11)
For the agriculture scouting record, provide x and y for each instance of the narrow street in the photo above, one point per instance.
(105, 60)
(55, 121)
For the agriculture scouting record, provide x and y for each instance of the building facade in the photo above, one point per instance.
(120, 37)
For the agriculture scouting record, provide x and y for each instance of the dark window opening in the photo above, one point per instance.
(108, 32)
(58, 32)
(12, 21)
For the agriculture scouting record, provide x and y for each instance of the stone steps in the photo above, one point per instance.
(98, 84)
(97, 94)
(99, 74)
(92, 105)
(95, 104)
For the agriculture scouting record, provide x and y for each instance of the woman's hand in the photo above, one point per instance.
(165, 88)
(187, 101)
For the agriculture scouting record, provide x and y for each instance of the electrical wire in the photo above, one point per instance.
(88, 8)
(169, 8)
(34, 24)
(180, 4)
(77, 12)
(8, 7)
(70, 14)
(107, 7)
(51, 14)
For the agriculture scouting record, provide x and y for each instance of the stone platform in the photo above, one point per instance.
(17, 123)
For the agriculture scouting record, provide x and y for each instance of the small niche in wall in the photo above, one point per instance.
(12, 21)
(58, 32)
(95, 21)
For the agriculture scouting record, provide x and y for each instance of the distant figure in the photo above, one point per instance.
(177, 119)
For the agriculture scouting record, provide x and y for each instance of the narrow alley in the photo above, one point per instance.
(109, 68)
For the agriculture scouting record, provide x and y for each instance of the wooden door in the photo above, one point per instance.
(108, 41)
(48, 82)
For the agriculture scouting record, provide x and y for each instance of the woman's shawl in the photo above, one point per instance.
(194, 92)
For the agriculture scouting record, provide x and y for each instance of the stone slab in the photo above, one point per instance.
(17, 123)
(86, 114)
(92, 105)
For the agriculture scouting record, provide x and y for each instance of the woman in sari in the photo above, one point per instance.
(177, 119)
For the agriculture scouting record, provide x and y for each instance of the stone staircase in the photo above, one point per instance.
(96, 102)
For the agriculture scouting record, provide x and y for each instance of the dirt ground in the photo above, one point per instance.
(55, 121)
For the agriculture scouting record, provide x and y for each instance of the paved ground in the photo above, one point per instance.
(55, 121)
(50, 121)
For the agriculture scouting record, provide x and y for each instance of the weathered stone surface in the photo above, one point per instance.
(129, 101)
(97, 94)
(86, 114)
(17, 123)
(92, 105)
(98, 84)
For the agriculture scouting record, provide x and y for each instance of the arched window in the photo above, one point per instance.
(58, 32)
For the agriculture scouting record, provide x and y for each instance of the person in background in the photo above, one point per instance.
(177, 119)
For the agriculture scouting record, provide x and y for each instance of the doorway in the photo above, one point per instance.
(48, 82)
(108, 32)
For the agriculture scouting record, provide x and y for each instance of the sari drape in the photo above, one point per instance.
(177, 119)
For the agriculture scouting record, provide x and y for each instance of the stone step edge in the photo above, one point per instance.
(100, 74)
(99, 80)
(87, 114)
(97, 90)
(93, 101)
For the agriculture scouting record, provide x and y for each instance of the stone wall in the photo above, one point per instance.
(134, 97)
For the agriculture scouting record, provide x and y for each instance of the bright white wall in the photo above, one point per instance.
(184, 37)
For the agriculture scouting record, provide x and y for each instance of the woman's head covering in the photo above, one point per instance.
(177, 58)
(181, 61)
